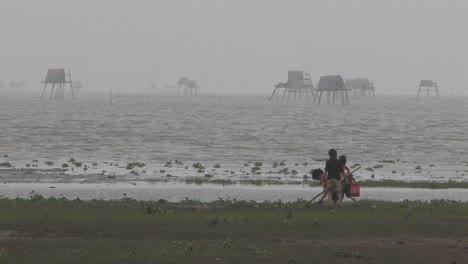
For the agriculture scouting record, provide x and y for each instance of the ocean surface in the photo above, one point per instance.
(87, 140)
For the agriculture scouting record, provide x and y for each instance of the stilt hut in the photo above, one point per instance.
(361, 87)
(57, 79)
(153, 88)
(17, 85)
(334, 87)
(77, 86)
(171, 89)
(299, 86)
(428, 86)
(187, 86)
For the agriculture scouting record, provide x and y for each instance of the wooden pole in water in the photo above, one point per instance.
(110, 96)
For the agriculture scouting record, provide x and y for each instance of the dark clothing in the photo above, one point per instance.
(346, 189)
(346, 184)
(334, 168)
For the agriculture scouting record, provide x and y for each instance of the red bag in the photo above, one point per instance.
(355, 189)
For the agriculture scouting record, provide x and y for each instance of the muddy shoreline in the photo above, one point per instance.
(176, 192)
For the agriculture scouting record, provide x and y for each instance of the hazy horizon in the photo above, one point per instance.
(235, 47)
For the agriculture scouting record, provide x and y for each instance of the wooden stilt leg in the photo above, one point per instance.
(52, 93)
(43, 90)
(274, 91)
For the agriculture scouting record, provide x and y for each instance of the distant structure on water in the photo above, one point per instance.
(428, 86)
(299, 86)
(189, 87)
(184, 86)
(361, 87)
(57, 79)
(153, 87)
(17, 85)
(334, 87)
(77, 85)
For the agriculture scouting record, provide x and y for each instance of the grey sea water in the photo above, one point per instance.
(423, 140)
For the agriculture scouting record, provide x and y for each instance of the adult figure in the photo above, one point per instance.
(333, 173)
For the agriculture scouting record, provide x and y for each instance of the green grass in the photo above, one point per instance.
(42, 230)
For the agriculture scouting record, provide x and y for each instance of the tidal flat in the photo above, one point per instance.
(40, 230)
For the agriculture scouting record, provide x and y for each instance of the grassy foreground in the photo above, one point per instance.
(41, 230)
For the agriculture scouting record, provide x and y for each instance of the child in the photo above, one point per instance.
(346, 183)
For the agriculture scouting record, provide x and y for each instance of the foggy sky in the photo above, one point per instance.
(241, 46)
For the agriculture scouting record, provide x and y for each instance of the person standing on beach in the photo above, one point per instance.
(333, 174)
(346, 183)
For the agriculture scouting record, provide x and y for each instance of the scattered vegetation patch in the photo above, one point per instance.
(72, 160)
(65, 165)
(387, 161)
(258, 164)
(378, 166)
(217, 166)
(49, 163)
(5, 164)
(350, 254)
(77, 164)
(132, 165)
(255, 169)
(198, 165)
(33, 196)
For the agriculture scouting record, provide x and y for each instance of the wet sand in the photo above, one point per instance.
(175, 192)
